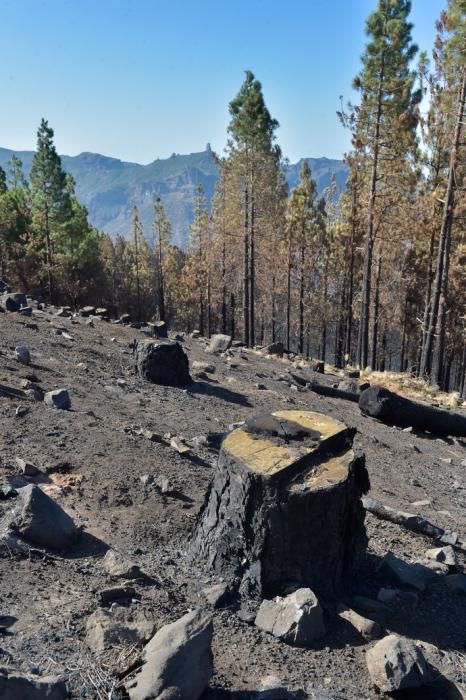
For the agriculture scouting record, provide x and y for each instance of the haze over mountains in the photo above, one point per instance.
(109, 187)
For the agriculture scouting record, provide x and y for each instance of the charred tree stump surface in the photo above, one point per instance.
(284, 507)
(383, 404)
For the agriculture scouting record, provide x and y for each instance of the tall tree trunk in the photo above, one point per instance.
(48, 256)
(375, 321)
(252, 272)
(246, 270)
(301, 303)
(349, 300)
(440, 288)
(403, 335)
(363, 341)
(224, 291)
(209, 311)
(426, 317)
(288, 298)
(232, 315)
(161, 283)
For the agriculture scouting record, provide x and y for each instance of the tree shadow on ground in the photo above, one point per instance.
(218, 392)
(436, 615)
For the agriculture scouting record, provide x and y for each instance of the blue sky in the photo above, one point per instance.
(141, 79)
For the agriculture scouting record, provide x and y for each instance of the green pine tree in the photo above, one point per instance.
(50, 198)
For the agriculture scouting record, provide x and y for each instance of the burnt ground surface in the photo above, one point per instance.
(93, 460)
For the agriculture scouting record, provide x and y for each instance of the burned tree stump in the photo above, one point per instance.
(284, 506)
(162, 362)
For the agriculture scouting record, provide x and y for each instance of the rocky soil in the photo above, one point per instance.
(111, 463)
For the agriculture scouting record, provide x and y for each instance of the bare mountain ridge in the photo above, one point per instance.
(109, 187)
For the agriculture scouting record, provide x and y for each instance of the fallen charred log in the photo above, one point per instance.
(333, 393)
(388, 407)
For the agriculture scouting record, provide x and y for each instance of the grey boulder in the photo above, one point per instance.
(59, 398)
(396, 663)
(177, 662)
(22, 354)
(296, 619)
(219, 343)
(119, 626)
(38, 519)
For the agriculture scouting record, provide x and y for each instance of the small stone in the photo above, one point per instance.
(63, 313)
(119, 566)
(59, 398)
(179, 445)
(119, 626)
(27, 468)
(449, 538)
(421, 504)
(393, 595)
(445, 555)
(216, 595)
(22, 354)
(109, 595)
(199, 366)
(164, 484)
(21, 411)
(367, 628)
(219, 343)
(408, 430)
(26, 311)
(296, 619)
(411, 575)
(396, 663)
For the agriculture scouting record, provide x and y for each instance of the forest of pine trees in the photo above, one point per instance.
(374, 276)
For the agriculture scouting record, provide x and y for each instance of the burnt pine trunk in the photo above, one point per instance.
(246, 269)
(301, 303)
(288, 298)
(224, 291)
(349, 300)
(363, 340)
(440, 287)
(252, 271)
(161, 282)
(425, 320)
(375, 321)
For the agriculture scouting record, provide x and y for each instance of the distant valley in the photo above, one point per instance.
(109, 187)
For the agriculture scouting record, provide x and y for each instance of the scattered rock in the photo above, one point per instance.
(394, 595)
(318, 367)
(120, 625)
(445, 555)
(396, 663)
(162, 362)
(352, 373)
(64, 312)
(219, 343)
(179, 445)
(274, 349)
(27, 468)
(22, 354)
(177, 662)
(199, 366)
(217, 594)
(296, 619)
(120, 566)
(59, 398)
(410, 575)
(109, 595)
(367, 628)
(42, 521)
(13, 301)
(18, 686)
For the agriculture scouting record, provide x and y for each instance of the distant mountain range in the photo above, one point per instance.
(109, 187)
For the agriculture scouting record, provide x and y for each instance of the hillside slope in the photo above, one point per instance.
(110, 187)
